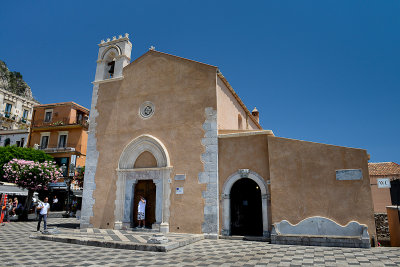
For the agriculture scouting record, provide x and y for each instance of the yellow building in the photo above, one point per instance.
(174, 131)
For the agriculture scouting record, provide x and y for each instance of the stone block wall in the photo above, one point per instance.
(382, 226)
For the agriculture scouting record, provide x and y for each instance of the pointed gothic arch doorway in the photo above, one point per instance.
(133, 177)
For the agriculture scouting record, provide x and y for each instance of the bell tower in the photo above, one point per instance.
(113, 56)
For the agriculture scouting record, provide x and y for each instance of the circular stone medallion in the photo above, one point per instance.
(146, 110)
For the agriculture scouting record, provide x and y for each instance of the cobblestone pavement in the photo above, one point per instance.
(17, 249)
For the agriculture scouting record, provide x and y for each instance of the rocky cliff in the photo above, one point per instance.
(12, 81)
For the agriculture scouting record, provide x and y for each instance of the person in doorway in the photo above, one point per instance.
(55, 203)
(44, 211)
(141, 212)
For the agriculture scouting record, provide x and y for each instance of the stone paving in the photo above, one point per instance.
(17, 249)
(135, 240)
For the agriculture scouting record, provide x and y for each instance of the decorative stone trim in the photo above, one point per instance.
(209, 176)
(125, 195)
(146, 110)
(89, 184)
(138, 146)
(129, 176)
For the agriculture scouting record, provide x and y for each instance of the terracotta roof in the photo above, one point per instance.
(384, 168)
(63, 104)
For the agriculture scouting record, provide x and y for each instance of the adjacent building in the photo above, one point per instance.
(60, 129)
(15, 110)
(383, 197)
(17, 138)
(174, 131)
(16, 105)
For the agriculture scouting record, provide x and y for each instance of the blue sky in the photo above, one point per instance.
(322, 71)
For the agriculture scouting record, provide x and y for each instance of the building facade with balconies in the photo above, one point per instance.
(60, 129)
(15, 111)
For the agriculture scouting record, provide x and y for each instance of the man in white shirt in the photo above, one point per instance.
(141, 212)
(44, 210)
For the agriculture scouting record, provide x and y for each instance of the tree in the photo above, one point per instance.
(12, 152)
(31, 175)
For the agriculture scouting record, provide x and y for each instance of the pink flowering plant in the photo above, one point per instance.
(31, 175)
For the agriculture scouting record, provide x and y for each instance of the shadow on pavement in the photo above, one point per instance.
(64, 225)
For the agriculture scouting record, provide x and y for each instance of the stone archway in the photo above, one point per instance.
(265, 199)
(128, 176)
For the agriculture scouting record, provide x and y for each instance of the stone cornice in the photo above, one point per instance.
(108, 80)
(32, 102)
(230, 135)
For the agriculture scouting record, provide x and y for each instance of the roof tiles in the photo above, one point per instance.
(384, 168)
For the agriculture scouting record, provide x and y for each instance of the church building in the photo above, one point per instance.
(174, 131)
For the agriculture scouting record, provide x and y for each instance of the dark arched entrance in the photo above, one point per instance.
(146, 189)
(246, 208)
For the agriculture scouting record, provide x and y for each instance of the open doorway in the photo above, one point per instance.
(146, 189)
(246, 208)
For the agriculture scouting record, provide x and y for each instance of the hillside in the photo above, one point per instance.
(12, 81)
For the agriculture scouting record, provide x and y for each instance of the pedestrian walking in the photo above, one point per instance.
(141, 212)
(44, 211)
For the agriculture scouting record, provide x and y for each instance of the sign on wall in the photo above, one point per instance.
(179, 190)
(383, 182)
(349, 174)
(180, 177)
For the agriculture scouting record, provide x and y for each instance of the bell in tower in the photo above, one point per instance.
(111, 70)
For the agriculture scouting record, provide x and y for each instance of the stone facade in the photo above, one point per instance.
(15, 111)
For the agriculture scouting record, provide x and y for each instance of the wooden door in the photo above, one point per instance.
(146, 189)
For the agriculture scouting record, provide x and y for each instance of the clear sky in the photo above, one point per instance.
(322, 71)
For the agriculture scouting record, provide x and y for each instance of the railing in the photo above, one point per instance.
(56, 149)
(59, 122)
(14, 117)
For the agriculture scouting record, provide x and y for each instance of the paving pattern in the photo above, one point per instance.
(126, 239)
(17, 249)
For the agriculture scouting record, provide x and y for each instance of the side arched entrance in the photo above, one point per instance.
(135, 178)
(246, 204)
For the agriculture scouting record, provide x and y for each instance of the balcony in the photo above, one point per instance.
(55, 149)
(9, 116)
(59, 123)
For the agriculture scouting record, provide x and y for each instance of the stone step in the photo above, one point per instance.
(144, 230)
(247, 238)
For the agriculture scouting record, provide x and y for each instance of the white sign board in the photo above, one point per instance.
(383, 182)
(179, 190)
